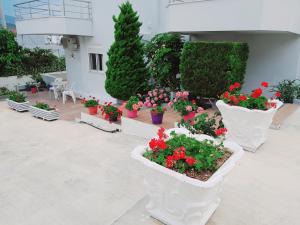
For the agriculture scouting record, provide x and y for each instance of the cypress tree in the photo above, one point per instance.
(126, 73)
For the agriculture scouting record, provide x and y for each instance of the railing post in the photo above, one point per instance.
(49, 8)
(64, 7)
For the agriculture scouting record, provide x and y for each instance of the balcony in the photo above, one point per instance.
(59, 17)
(234, 15)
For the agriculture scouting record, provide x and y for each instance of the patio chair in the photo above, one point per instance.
(55, 88)
(69, 91)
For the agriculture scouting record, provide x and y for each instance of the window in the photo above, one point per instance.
(96, 62)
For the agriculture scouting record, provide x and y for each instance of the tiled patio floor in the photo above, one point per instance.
(68, 111)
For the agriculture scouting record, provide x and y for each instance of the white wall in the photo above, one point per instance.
(92, 83)
(273, 57)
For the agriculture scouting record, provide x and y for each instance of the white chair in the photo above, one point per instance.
(69, 91)
(55, 88)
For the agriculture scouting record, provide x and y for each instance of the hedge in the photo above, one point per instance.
(208, 68)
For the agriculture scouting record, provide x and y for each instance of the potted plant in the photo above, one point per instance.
(186, 108)
(156, 97)
(43, 111)
(247, 116)
(183, 174)
(133, 105)
(288, 89)
(110, 112)
(17, 101)
(92, 105)
(157, 114)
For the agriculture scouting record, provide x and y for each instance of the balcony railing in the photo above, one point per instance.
(34, 9)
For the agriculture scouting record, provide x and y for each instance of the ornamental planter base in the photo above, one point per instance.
(247, 127)
(44, 114)
(176, 199)
(19, 107)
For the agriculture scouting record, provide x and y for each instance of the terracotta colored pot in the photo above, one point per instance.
(93, 110)
(189, 116)
(33, 90)
(132, 114)
(157, 118)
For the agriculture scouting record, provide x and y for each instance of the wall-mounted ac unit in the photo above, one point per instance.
(70, 42)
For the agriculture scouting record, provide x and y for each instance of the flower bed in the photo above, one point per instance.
(17, 101)
(175, 198)
(43, 111)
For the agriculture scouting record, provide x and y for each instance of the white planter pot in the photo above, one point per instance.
(44, 114)
(176, 199)
(20, 107)
(247, 127)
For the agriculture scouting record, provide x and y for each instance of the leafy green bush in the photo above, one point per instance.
(16, 97)
(208, 68)
(10, 54)
(14, 60)
(163, 54)
(289, 90)
(4, 91)
(126, 73)
(43, 106)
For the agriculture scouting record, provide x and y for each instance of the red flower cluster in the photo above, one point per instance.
(159, 144)
(235, 86)
(265, 84)
(256, 93)
(221, 131)
(179, 154)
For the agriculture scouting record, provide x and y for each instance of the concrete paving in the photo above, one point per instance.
(63, 173)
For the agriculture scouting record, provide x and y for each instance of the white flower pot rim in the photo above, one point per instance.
(26, 102)
(212, 181)
(46, 111)
(279, 104)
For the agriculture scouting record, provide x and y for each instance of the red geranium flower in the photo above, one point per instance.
(220, 131)
(242, 98)
(237, 85)
(226, 95)
(234, 100)
(161, 144)
(265, 84)
(231, 88)
(190, 160)
(278, 94)
(257, 93)
(169, 162)
(179, 153)
(161, 133)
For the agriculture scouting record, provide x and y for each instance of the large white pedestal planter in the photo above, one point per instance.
(20, 107)
(247, 127)
(44, 114)
(176, 199)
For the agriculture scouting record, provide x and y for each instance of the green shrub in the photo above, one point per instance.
(289, 90)
(126, 73)
(91, 103)
(4, 91)
(43, 106)
(16, 97)
(208, 68)
(163, 54)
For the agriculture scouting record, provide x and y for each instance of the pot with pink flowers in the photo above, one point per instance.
(133, 105)
(156, 97)
(186, 108)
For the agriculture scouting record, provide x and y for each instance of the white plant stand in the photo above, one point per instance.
(44, 114)
(19, 107)
(176, 199)
(247, 127)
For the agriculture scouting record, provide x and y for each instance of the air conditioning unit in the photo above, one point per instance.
(70, 42)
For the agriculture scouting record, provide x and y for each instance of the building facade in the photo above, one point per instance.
(270, 27)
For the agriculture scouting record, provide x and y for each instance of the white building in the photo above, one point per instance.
(270, 27)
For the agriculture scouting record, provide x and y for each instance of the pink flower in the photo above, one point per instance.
(156, 99)
(148, 105)
(154, 93)
(170, 104)
(140, 104)
(200, 109)
(161, 91)
(189, 108)
(178, 94)
(161, 96)
(152, 101)
(185, 94)
(149, 92)
(154, 105)
(165, 94)
(166, 99)
(147, 99)
(135, 107)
